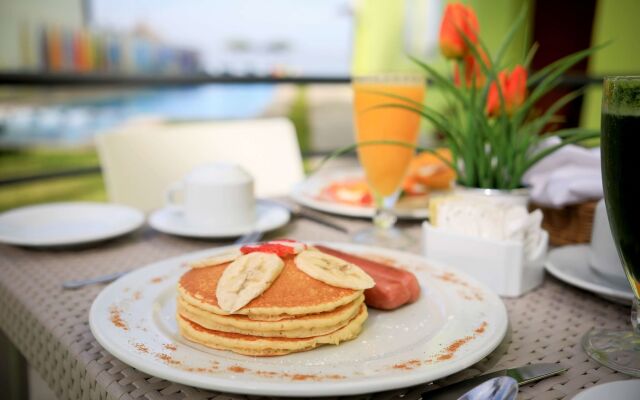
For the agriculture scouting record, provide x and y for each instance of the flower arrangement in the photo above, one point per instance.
(489, 125)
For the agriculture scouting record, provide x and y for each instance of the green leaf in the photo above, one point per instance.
(534, 127)
(530, 54)
(439, 156)
(517, 24)
(551, 80)
(395, 96)
(444, 83)
(436, 118)
(334, 154)
(534, 78)
(574, 137)
(565, 133)
(488, 70)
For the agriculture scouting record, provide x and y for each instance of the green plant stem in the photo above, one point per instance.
(549, 79)
(508, 38)
(550, 150)
(440, 80)
(440, 121)
(486, 69)
(536, 126)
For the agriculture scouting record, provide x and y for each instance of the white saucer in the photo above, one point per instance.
(65, 224)
(571, 265)
(268, 218)
(621, 390)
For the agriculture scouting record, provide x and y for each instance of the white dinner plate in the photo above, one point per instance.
(268, 217)
(571, 265)
(456, 322)
(621, 390)
(307, 194)
(65, 224)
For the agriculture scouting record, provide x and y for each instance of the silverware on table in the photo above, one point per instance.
(321, 221)
(298, 212)
(523, 375)
(500, 388)
(76, 284)
(250, 237)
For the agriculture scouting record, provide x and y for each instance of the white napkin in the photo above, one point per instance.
(493, 220)
(570, 175)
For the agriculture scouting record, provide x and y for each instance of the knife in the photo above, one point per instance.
(523, 375)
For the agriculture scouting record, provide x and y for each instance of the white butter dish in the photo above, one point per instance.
(501, 265)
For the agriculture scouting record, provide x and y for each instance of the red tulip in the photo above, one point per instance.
(458, 20)
(514, 91)
(472, 70)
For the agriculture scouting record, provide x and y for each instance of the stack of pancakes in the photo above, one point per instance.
(296, 313)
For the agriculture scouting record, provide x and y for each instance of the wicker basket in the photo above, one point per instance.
(568, 225)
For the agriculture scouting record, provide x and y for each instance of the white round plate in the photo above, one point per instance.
(64, 224)
(307, 193)
(621, 390)
(268, 218)
(456, 322)
(571, 265)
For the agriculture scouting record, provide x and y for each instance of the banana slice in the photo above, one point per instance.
(215, 260)
(246, 278)
(332, 270)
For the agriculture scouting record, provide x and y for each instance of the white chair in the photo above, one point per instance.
(139, 162)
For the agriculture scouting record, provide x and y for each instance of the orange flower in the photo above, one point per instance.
(458, 20)
(472, 70)
(514, 91)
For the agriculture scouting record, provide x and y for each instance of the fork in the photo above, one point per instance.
(247, 238)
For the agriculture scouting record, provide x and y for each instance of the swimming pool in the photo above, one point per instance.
(76, 123)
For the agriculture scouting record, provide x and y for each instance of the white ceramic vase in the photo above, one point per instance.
(512, 197)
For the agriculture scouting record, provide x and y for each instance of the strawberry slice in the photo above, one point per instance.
(275, 248)
(280, 247)
(295, 245)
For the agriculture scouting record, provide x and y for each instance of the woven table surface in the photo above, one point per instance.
(50, 325)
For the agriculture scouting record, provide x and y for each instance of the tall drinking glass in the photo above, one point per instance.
(620, 143)
(385, 165)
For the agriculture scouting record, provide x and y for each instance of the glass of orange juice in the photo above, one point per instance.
(385, 165)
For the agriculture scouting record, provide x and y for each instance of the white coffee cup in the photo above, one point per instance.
(217, 196)
(603, 255)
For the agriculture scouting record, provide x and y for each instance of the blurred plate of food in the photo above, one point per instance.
(346, 192)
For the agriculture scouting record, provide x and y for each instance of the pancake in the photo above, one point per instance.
(292, 327)
(295, 312)
(293, 293)
(267, 346)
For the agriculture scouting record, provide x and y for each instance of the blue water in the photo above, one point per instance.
(76, 123)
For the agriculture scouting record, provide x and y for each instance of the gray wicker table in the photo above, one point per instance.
(50, 326)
